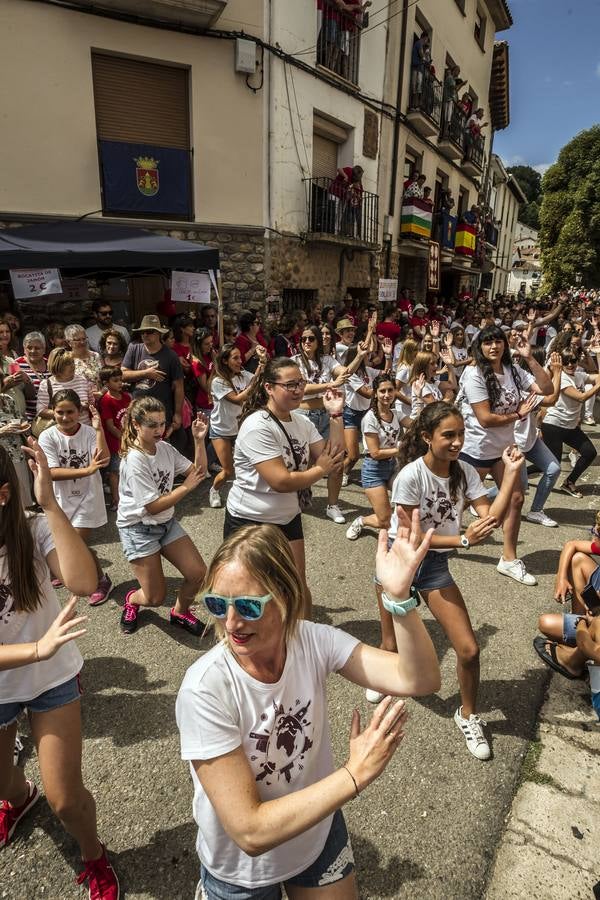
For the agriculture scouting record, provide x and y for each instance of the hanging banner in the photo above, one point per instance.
(143, 178)
(433, 267)
(190, 287)
(28, 283)
(388, 290)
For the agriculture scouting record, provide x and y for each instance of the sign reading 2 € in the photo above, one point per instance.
(146, 173)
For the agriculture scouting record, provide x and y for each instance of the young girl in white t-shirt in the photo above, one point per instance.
(359, 391)
(76, 453)
(229, 388)
(433, 480)
(425, 365)
(403, 373)
(40, 666)
(146, 517)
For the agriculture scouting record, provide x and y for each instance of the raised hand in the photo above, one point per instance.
(555, 363)
(61, 630)
(200, 427)
(435, 328)
(448, 339)
(333, 401)
(372, 749)
(42, 479)
(512, 456)
(261, 354)
(387, 346)
(447, 356)
(523, 347)
(396, 567)
(418, 385)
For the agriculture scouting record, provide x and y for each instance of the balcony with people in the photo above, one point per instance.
(341, 211)
(474, 144)
(416, 220)
(339, 27)
(425, 99)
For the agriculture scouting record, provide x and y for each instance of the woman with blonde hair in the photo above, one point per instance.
(62, 376)
(425, 369)
(87, 362)
(254, 724)
(406, 359)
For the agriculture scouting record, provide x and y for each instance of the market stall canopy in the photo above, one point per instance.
(98, 245)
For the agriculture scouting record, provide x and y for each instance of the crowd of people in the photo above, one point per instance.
(444, 404)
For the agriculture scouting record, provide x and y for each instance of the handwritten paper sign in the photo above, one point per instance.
(388, 290)
(190, 287)
(27, 283)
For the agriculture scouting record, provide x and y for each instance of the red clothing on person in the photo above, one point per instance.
(243, 343)
(389, 330)
(419, 321)
(405, 306)
(113, 408)
(182, 351)
(205, 367)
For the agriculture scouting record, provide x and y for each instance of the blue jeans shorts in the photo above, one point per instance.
(57, 696)
(114, 464)
(142, 540)
(335, 863)
(377, 472)
(432, 575)
(353, 417)
(479, 463)
(319, 418)
(220, 437)
(570, 621)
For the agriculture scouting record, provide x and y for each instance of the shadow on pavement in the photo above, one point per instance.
(165, 868)
(382, 881)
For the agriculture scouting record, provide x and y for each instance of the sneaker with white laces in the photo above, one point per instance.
(10, 816)
(516, 569)
(540, 518)
(355, 529)
(335, 513)
(473, 733)
(473, 512)
(589, 420)
(373, 696)
(214, 498)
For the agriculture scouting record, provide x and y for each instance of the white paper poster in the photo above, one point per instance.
(27, 283)
(388, 290)
(190, 287)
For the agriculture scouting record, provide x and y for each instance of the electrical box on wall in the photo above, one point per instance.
(245, 56)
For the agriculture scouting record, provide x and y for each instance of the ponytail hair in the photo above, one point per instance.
(16, 537)
(413, 444)
(379, 380)
(136, 415)
(258, 397)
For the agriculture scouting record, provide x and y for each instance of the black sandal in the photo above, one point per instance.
(550, 658)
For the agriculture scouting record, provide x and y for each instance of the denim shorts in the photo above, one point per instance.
(319, 418)
(433, 574)
(114, 464)
(353, 417)
(293, 530)
(377, 472)
(479, 463)
(570, 621)
(142, 540)
(57, 696)
(335, 863)
(221, 437)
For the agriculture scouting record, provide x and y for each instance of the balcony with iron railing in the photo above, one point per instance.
(452, 134)
(338, 41)
(196, 13)
(425, 103)
(341, 214)
(474, 154)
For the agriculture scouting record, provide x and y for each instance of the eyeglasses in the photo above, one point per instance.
(249, 608)
(308, 339)
(292, 386)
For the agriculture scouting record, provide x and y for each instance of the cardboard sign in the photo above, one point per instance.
(388, 290)
(28, 283)
(190, 287)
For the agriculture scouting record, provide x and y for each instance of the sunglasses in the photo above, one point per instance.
(308, 339)
(249, 608)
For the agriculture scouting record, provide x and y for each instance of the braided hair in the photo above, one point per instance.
(413, 445)
(492, 332)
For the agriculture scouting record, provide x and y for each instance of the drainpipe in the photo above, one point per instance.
(396, 144)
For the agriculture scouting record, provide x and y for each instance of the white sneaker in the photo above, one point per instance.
(516, 569)
(345, 480)
(335, 513)
(473, 512)
(474, 736)
(214, 498)
(373, 696)
(573, 457)
(540, 518)
(589, 421)
(355, 529)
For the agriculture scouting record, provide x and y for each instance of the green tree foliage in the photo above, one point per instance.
(570, 214)
(531, 183)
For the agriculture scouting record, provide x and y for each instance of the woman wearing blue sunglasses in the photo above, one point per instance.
(254, 724)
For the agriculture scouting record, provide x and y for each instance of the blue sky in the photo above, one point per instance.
(554, 78)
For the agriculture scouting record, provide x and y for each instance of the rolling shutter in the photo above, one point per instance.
(325, 157)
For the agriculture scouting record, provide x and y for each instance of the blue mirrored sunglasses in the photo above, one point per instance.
(250, 608)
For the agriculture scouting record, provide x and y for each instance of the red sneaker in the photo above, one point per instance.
(103, 883)
(10, 816)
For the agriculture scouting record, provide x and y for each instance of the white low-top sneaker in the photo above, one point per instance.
(373, 696)
(214, 498)
(345, 480)
(473, 733)
(540, 518)
(516, 569)
(354, 530)
(335, 513)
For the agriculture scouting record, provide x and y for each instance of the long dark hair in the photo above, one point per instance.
(258, 397)
(350, 356)
(15, 535)
(491, 382)
(413, 445)
(318, 360)
(222, 369)
(378, 381)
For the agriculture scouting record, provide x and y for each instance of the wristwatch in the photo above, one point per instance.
(464, 542)
(400, 607)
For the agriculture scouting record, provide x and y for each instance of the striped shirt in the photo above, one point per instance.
(78, 383)
(36, 379)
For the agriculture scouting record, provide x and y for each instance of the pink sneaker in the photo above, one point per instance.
(56, 583)
(130, 614)
(102, 592)
(102, 881)
(188, 621)
(10, 816)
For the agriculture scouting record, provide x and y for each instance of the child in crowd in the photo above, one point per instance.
(113, 404)
(76, 453)
(61, 366)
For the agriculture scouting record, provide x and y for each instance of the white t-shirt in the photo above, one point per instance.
(360, 379)
(28, 682)
(416, 485)
(490, 443)
(387, 432)
(260, 438)
(78, 383)
(402, 377)
(460, 354)
(143, 479)
(430, 389)
(81, 499)
(224, 415)
(526, 429)
(471, 332)
(283, 729)
(566, 412)
(340, 352)
(315, 374)
(94, 333)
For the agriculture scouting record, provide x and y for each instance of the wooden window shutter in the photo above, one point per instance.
(325, 157)
(141, 102)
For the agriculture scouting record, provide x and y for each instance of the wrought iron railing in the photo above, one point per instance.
(490, 234)
(475, 149)
(338, 41)
(336, 208)
(453, 128)
(426, 95)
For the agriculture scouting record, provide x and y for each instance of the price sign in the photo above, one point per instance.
(28, 283)
(190, 287)
(388, 290)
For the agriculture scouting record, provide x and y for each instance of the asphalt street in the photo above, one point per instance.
(428, 828)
